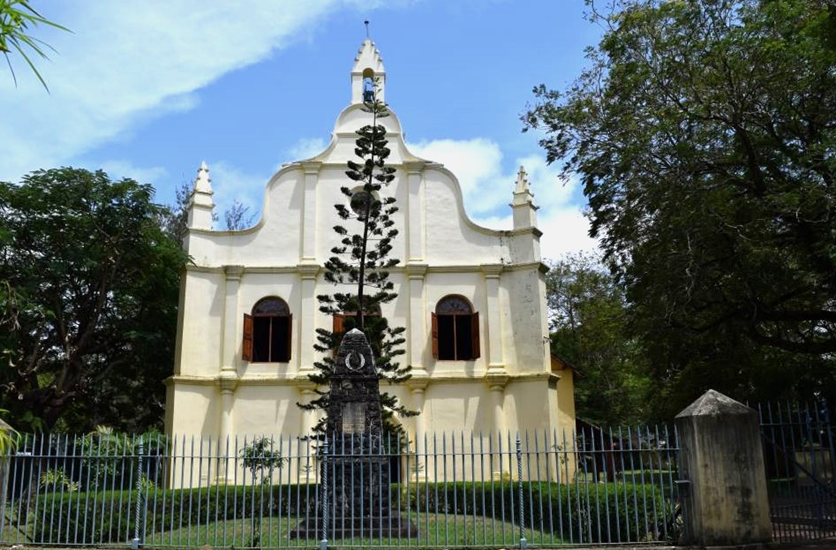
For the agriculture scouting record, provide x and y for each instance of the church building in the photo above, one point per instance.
(472, 300)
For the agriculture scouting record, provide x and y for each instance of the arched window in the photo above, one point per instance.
(455, 330)
(267, 332)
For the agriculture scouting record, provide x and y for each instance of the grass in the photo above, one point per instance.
(435, 530)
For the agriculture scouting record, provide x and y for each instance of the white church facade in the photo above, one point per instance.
(472, 300)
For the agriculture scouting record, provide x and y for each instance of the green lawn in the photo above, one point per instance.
(436, 530)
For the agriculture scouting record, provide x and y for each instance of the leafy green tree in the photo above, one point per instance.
(588, 324)
(360, 267)
(704, 133)
(174, 218)
(261, 457)
(96, 282)
(17, 18)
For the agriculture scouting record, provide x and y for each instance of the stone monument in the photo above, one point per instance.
(357, 477)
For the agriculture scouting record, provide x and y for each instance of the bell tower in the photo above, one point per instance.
(368, 68)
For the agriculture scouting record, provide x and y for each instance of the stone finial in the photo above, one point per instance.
(522, 182)
(714, 403)
(201, 204)
(203, 184)
(523, 204)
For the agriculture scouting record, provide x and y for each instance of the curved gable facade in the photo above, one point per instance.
(498, 376)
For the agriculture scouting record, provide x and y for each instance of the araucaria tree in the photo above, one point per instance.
(359, 267)
(705, 136)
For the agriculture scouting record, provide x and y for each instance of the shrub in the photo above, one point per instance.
(580, 513)
(104, 517)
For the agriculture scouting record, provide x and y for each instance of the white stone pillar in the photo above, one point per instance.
(493, 319)
(415, 211)
(308, 237)
(306, 324)
(417, 341)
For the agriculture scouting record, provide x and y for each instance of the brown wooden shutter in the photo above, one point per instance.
(247, 354)
(337, 327)
(338, 323)
(435, 335)
(289, 336)
(474, 335)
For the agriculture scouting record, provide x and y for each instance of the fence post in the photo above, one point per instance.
(721, 464)
(520, 490)
(135, 543)
(9, 436)
(323, 544)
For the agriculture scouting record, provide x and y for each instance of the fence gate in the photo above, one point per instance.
(799, 457)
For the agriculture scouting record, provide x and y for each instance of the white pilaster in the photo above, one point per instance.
(306, 325)
(415, 211)
(496, 359)
(308, 237)
(417, 341)
(308, 420)
(232, 330)
(226, 382)
(418, 388)
(496, 384)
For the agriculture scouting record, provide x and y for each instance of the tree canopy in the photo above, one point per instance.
(705, 136)
(90, 300)
(588, 328)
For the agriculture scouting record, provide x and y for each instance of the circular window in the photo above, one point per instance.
(359, 198)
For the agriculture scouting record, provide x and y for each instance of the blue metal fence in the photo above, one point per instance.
(596, 486)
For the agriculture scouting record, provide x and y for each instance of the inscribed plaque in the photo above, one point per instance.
(354, 418)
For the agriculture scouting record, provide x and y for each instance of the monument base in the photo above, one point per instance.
(389, 526)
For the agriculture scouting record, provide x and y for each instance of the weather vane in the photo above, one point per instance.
(366, 22)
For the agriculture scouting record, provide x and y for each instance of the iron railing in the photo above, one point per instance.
(799, 457)
(446, 490)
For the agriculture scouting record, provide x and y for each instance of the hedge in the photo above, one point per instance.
(580, 513)
(108, 516)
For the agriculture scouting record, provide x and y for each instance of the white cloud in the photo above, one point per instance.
(128, 61)
(118, 169)
(306, 148)
(231, 184)
(477, 163)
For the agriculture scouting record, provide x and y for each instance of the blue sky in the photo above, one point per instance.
(150, 89)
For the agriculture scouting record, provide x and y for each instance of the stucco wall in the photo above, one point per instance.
(442, 252)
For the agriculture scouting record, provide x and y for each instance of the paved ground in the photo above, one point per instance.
(830, 543)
